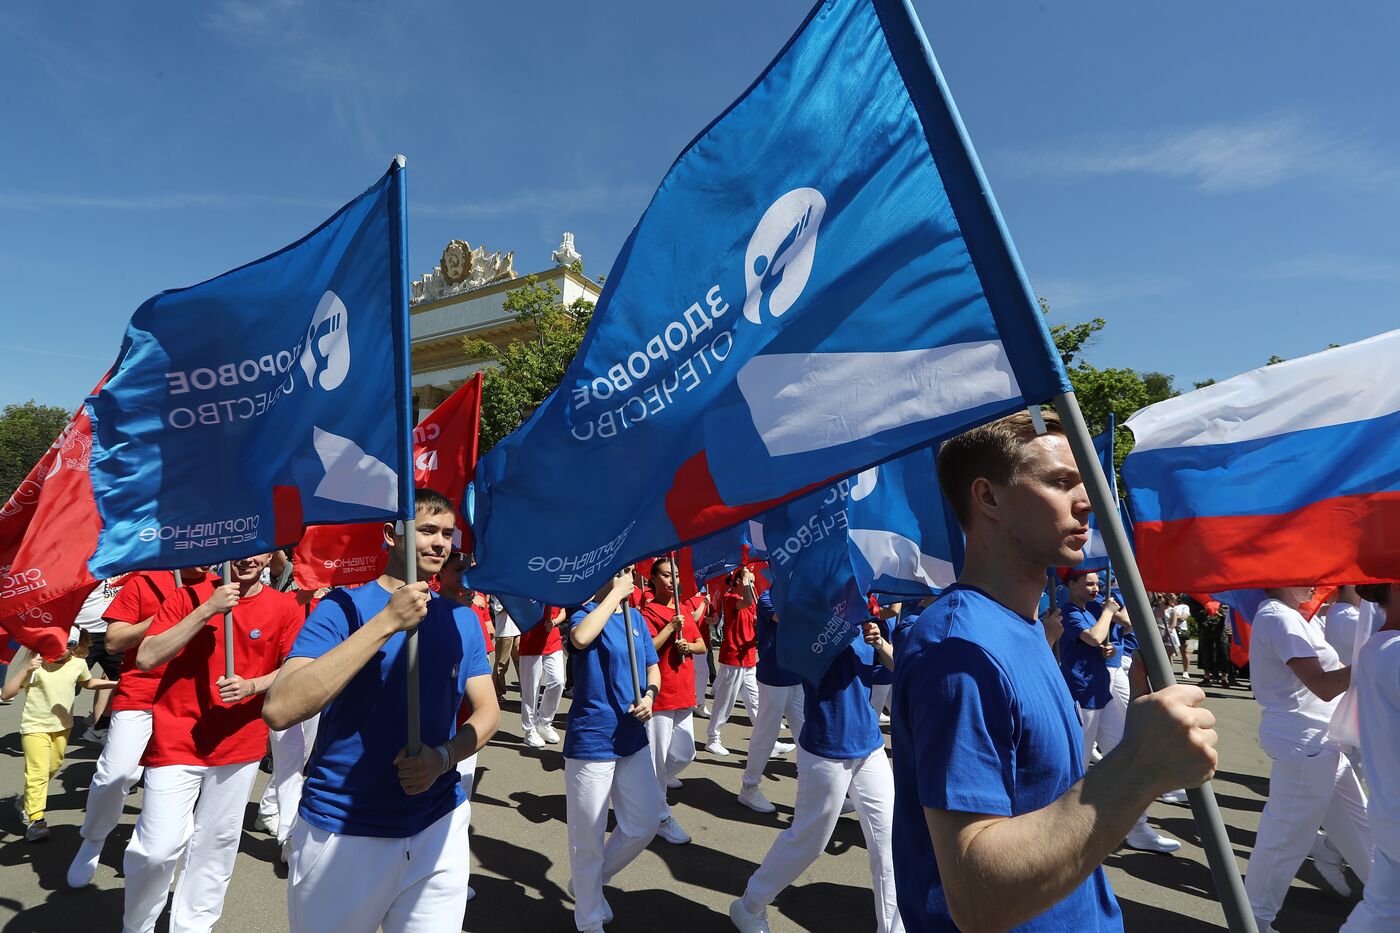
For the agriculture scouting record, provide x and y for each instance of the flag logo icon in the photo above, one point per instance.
(779, 259)
(326, 359)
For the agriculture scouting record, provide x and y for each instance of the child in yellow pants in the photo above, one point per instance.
(46, 721)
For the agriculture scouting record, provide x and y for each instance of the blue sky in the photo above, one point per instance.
(1219, 181)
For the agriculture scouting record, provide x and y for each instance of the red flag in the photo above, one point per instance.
(444, 458)
(48, 530)
(1320, 596)
(1240, 631)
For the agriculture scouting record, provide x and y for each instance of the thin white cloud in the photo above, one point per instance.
(1099, 295)
(553, 201)
(1342, 268)
(1219, 157)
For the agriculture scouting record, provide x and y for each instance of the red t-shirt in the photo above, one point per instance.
(739, 646)
(543, 638)
(677, 669)
(140, 598)
(191, 724)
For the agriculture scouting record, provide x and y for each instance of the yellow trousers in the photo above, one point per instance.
(43, 754)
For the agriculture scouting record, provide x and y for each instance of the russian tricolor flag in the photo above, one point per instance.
(1288, 475)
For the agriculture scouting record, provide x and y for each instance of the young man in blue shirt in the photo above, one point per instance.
(997, 826)
(381, 836)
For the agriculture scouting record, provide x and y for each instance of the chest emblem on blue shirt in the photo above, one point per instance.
(456, 670)
(255, 633)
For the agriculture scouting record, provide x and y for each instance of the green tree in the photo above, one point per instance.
(528, 370)
(26, 431)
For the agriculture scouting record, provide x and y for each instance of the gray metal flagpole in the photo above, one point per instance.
(408, 533)
(1223, 868)
(631, 652)
(228, 625)
(179, 580)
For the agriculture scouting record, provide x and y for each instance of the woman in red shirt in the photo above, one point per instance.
(675, 632)
(738, 653)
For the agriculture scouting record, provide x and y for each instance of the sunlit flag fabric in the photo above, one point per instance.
(1095, 550)
(719, 553)
(820, 283)
(48, 530)
(273, 396)
(1288, 475)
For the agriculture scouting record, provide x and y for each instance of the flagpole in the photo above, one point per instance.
(228, 625)
(632, 654)
(1219, 853)
(179, 580)
(408, 534)
(676, 595)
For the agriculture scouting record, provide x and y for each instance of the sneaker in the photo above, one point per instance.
(1328, 862)
(672, 832)
(267, 823)
(23, 813)
(1146, 839)
(38, 831)
(1173, 796)
(702, 711)
(884, 719)
(847, 806)
(84, 867)
(673, 783)
(782, 748)
(284, 851)
(746, 921)
(549, 735)
(753, 798)
(471, 893)
(532, 739)
(714, 748)
(93, 734)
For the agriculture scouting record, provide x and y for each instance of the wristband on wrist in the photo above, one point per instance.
(652, 690)
(445, 750)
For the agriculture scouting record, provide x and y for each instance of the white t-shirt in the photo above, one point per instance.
(1292, 712)
(1182, 613)
(1343, 620)
(90, 616)
(1377, 686)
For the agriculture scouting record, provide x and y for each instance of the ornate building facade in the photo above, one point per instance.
(465, 296)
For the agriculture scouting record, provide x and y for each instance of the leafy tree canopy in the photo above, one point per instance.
(26, 431)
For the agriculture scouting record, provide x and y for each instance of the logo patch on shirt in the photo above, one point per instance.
(255, 633)
(456, 669)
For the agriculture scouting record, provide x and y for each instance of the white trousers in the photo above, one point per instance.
(773, 704)
(733, 683)
(359, 884)
(1089, 720)
(1379, 910)
(215, 798)
(118, 770)
(822, 786)
(880, 697)
(630, 784)
(1113, 718)
(541, 686)
(671, 735)
(282, 796)
(702, 678)
(1308, 786)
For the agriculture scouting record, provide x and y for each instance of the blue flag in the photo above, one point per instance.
(273, 396)
(1095, 551)
(822, 282)
(719, 553)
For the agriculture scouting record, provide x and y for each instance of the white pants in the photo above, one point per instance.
(880, 697)
(733, 683)
(540, 671)
(118, 770)
(1379, 910)
(357, 884)
(1308, 786)
(215, 797)
(671, 735)
(822, 786)
(1089, 720)
(630, 784)
(773, 704)
(282, 796)
(1113, 718)
(702, 678)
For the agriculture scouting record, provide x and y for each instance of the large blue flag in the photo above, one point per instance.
(719, 553)
(821, 283)
(273, 396)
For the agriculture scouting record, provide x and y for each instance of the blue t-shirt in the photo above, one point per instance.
(1083, 665)
(1122, 639)
(769, 671)
(352, 784)
(982, 724)
(600, 728)
(841, 723)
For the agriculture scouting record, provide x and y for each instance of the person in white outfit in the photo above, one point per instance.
(1297, 678)
(779, 696)
(840, 751)
(541, 664)
(738, 656)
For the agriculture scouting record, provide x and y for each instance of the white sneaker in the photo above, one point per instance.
(1146, 839)
(753, 798)
(532, 739)
(702, 711)
(847, 806)
(267, 822)
(84, 866)
(884, 719)
(672, 832)
(673, 783)
(714, 748)
(1173, 796)
(782, 748)
(19, 808)
(285, 852)
(549, 735)
(745, 921)
(1328, 862)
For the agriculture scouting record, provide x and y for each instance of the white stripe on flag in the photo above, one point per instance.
(802, 402)
(893, 555)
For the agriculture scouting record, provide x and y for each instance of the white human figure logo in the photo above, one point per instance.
(327, 350)
(779, 259)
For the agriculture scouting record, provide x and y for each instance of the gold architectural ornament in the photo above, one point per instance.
(457, 261)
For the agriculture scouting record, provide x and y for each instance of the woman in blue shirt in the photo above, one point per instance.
(606, 756)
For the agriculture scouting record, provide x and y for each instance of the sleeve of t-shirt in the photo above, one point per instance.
(84, 674)
(130, 599)
(651, 653)
(327, 626)
(963, 729)
(1076, 621)
(473, 641)
(171, 612)
(1286, 635)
